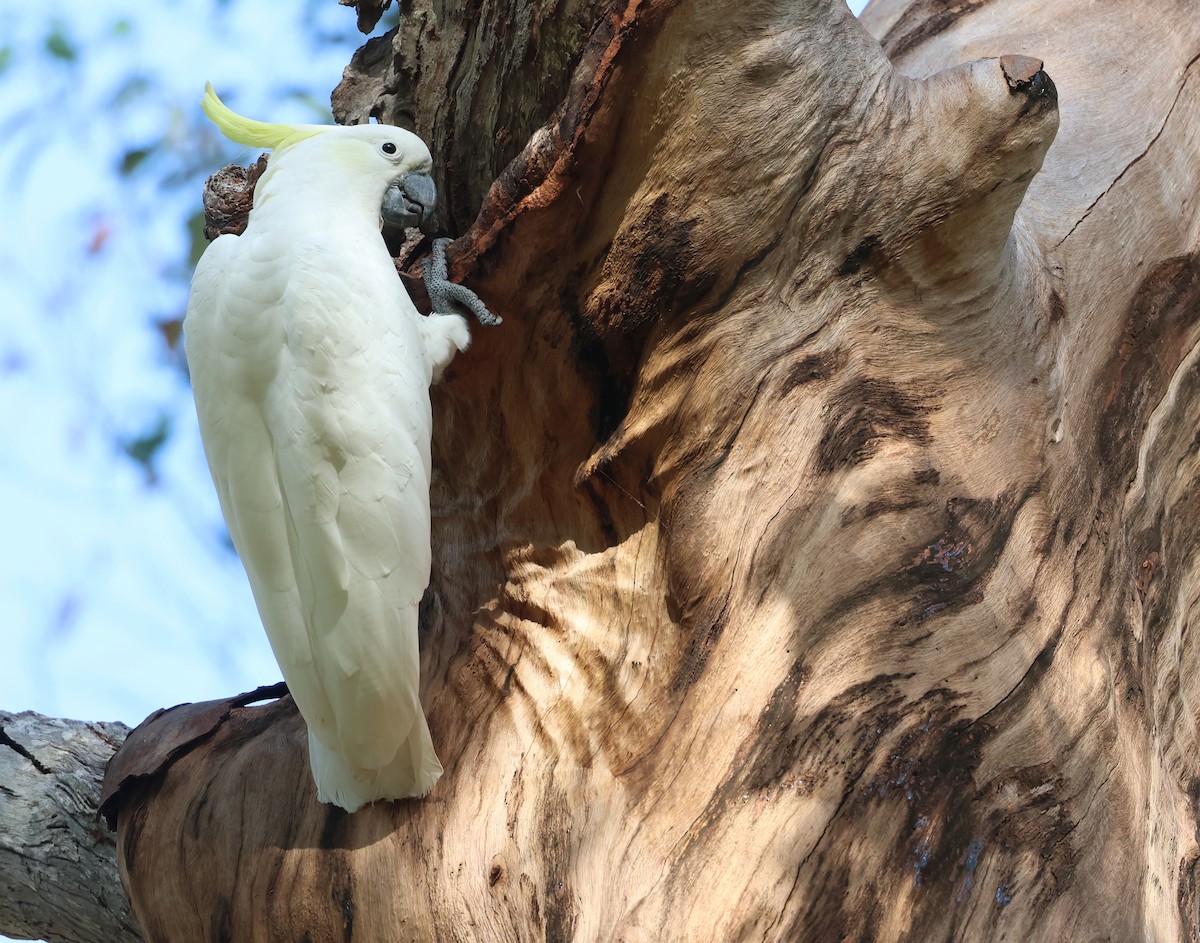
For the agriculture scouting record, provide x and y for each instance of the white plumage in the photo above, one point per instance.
(311, 370)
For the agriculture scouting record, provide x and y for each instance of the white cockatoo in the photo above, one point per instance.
(311, 370)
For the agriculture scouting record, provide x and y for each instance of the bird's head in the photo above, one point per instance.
(393, 160)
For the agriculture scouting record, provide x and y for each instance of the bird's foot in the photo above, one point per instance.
(449, 297)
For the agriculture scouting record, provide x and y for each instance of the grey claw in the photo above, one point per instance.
(449, 297)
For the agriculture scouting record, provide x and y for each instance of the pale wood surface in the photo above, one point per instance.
(815, 543)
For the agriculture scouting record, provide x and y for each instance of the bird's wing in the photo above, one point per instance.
(350, 410)
(316, 425)
(234, 337)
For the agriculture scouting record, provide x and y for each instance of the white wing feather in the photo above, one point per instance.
(314, 411)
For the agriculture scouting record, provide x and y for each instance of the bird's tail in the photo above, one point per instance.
(411, 773)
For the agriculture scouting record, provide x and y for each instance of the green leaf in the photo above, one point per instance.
(6, 54)
(143, 448)
(132, 159)
(122, 28)
(60, 46)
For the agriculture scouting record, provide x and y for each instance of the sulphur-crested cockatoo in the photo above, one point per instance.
(311, 371)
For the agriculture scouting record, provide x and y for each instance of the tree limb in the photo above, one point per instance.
(58, 867)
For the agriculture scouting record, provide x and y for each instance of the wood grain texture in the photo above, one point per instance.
(814, 551)
(58, 867)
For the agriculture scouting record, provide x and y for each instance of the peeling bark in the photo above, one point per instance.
(813, 551)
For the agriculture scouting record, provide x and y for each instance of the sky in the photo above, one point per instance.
(119, 592)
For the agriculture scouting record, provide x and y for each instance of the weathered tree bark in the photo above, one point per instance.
(813, 557)
(58, 863)
(475, 80)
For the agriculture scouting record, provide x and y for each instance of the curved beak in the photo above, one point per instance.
(409, 201)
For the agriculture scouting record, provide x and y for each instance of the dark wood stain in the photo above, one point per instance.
(924, 777)
(656, 269)
(1188, 895)
(932, 772)
(812, 368)
(923, 20)
(220, 926)
(705, 633)
(1058, 307)
(865, 411)
(785, 749)
(342, 892)
(926, 771)
(885, 505)
(1189, 898)
(832, 882)
(769, 760)
(1163, 313)
(1041, 823)
(558, 894)
(867, 254)
(947, 574)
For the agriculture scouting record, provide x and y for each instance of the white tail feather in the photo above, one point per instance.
(410, 775)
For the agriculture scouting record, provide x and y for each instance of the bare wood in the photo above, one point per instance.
(813, 549)
(58, 868)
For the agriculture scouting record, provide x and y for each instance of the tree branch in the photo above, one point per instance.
(58, 867)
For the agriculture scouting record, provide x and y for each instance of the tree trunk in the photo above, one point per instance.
(812, 554)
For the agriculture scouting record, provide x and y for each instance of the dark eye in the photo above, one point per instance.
(389, 147)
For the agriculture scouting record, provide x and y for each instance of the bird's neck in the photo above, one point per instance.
(317, 191)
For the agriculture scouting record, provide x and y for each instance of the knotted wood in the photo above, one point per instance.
(813, 551)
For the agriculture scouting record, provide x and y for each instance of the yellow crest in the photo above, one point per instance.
(250, 132)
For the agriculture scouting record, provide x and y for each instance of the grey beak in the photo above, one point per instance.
(409, 201)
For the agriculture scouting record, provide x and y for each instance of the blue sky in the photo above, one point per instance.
(118, 591)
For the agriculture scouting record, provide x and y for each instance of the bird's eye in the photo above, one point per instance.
(389, 147)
